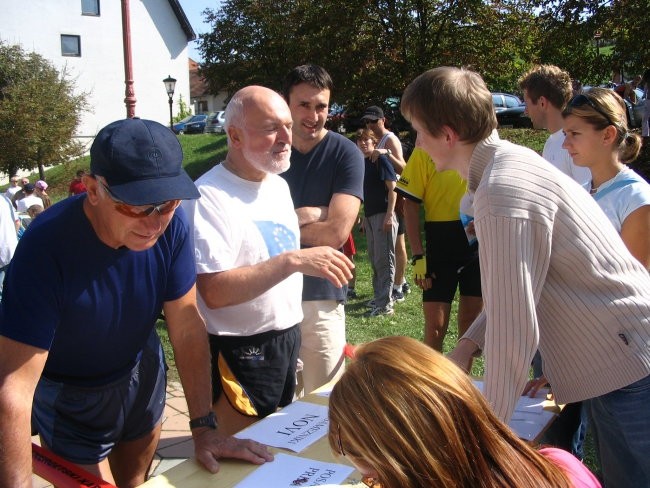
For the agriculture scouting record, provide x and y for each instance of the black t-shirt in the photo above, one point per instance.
(334, 165)
(375, 193)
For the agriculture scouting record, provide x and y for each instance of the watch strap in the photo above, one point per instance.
(209, 420)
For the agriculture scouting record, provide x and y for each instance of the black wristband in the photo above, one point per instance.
(416, 257)
(210, 420)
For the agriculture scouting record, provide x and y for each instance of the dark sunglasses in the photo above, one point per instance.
(580, 100)
(368, 121)
(140, 211)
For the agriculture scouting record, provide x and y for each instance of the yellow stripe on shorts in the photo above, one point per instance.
(233, 390)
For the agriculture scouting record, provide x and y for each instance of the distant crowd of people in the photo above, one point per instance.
(250, 266)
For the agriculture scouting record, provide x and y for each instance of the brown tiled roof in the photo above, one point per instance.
(198, 85)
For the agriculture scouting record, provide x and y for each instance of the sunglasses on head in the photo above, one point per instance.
(580, 100)
(140, 211)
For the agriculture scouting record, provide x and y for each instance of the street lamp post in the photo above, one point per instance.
(170, 85)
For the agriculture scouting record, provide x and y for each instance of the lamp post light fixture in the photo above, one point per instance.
(170, 85)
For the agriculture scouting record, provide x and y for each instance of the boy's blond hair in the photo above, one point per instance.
(453, 97)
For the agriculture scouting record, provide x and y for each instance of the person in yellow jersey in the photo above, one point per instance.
(450, 258)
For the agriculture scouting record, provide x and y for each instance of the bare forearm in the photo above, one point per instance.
(248, 282)
(20, 369)
(398, 163)
(309, 215)
(243, 284)
(412, 223)
(192, 356)
(392, 198)
(325, 234)
(15, 442)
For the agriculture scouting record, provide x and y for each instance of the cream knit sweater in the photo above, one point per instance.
(555, 273)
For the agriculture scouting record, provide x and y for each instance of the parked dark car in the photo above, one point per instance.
(634, 110)
(214, 122)
(342, 119)
(504, 101)
(514, 117)
(192, 124)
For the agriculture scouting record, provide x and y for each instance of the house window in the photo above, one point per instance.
(89, 7)
(70, 45)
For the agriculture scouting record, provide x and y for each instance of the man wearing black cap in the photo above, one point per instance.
(390, 146)
(89, 355)
(29, 199)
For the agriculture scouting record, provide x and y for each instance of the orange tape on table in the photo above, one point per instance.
(62, 473)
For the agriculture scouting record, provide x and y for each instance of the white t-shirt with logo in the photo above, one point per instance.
(238, 223)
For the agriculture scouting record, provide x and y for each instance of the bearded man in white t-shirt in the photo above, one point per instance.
(547, 89)
(249, 262)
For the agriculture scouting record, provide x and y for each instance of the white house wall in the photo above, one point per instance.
(158, 46)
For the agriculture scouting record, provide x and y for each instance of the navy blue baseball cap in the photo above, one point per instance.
(141, 161)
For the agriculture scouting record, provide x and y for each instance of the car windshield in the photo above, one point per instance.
(186, 119)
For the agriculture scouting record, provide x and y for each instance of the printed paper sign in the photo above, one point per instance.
(529, 417)
(295, 427)
(292, 471)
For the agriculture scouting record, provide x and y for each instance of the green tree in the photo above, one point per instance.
(39, 112)
(573, 31)
(372, 48)
(183, 110)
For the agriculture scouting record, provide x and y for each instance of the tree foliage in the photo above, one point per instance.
(574, 30)
(183, 110)
(39, 112)
(374, 48)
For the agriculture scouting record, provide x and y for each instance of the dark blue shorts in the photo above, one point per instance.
(256, 373)
(83, 424)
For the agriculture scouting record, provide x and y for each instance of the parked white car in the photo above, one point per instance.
(215, 122)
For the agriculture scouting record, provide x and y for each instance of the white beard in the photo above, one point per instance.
(268, 162)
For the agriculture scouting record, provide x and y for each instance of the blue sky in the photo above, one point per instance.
(193, 9)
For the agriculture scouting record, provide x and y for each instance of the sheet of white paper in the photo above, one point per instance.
(295, 427)
(530, 405)
(325, 393)
(292, 471)
(529, 417)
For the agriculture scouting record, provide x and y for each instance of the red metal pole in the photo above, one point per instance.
(129, 99)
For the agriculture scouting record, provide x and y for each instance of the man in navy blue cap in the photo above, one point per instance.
(107, 262)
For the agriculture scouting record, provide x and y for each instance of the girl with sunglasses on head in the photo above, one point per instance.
(408, 417)
(597, 137)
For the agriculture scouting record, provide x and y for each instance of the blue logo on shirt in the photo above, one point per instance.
(277, 237)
